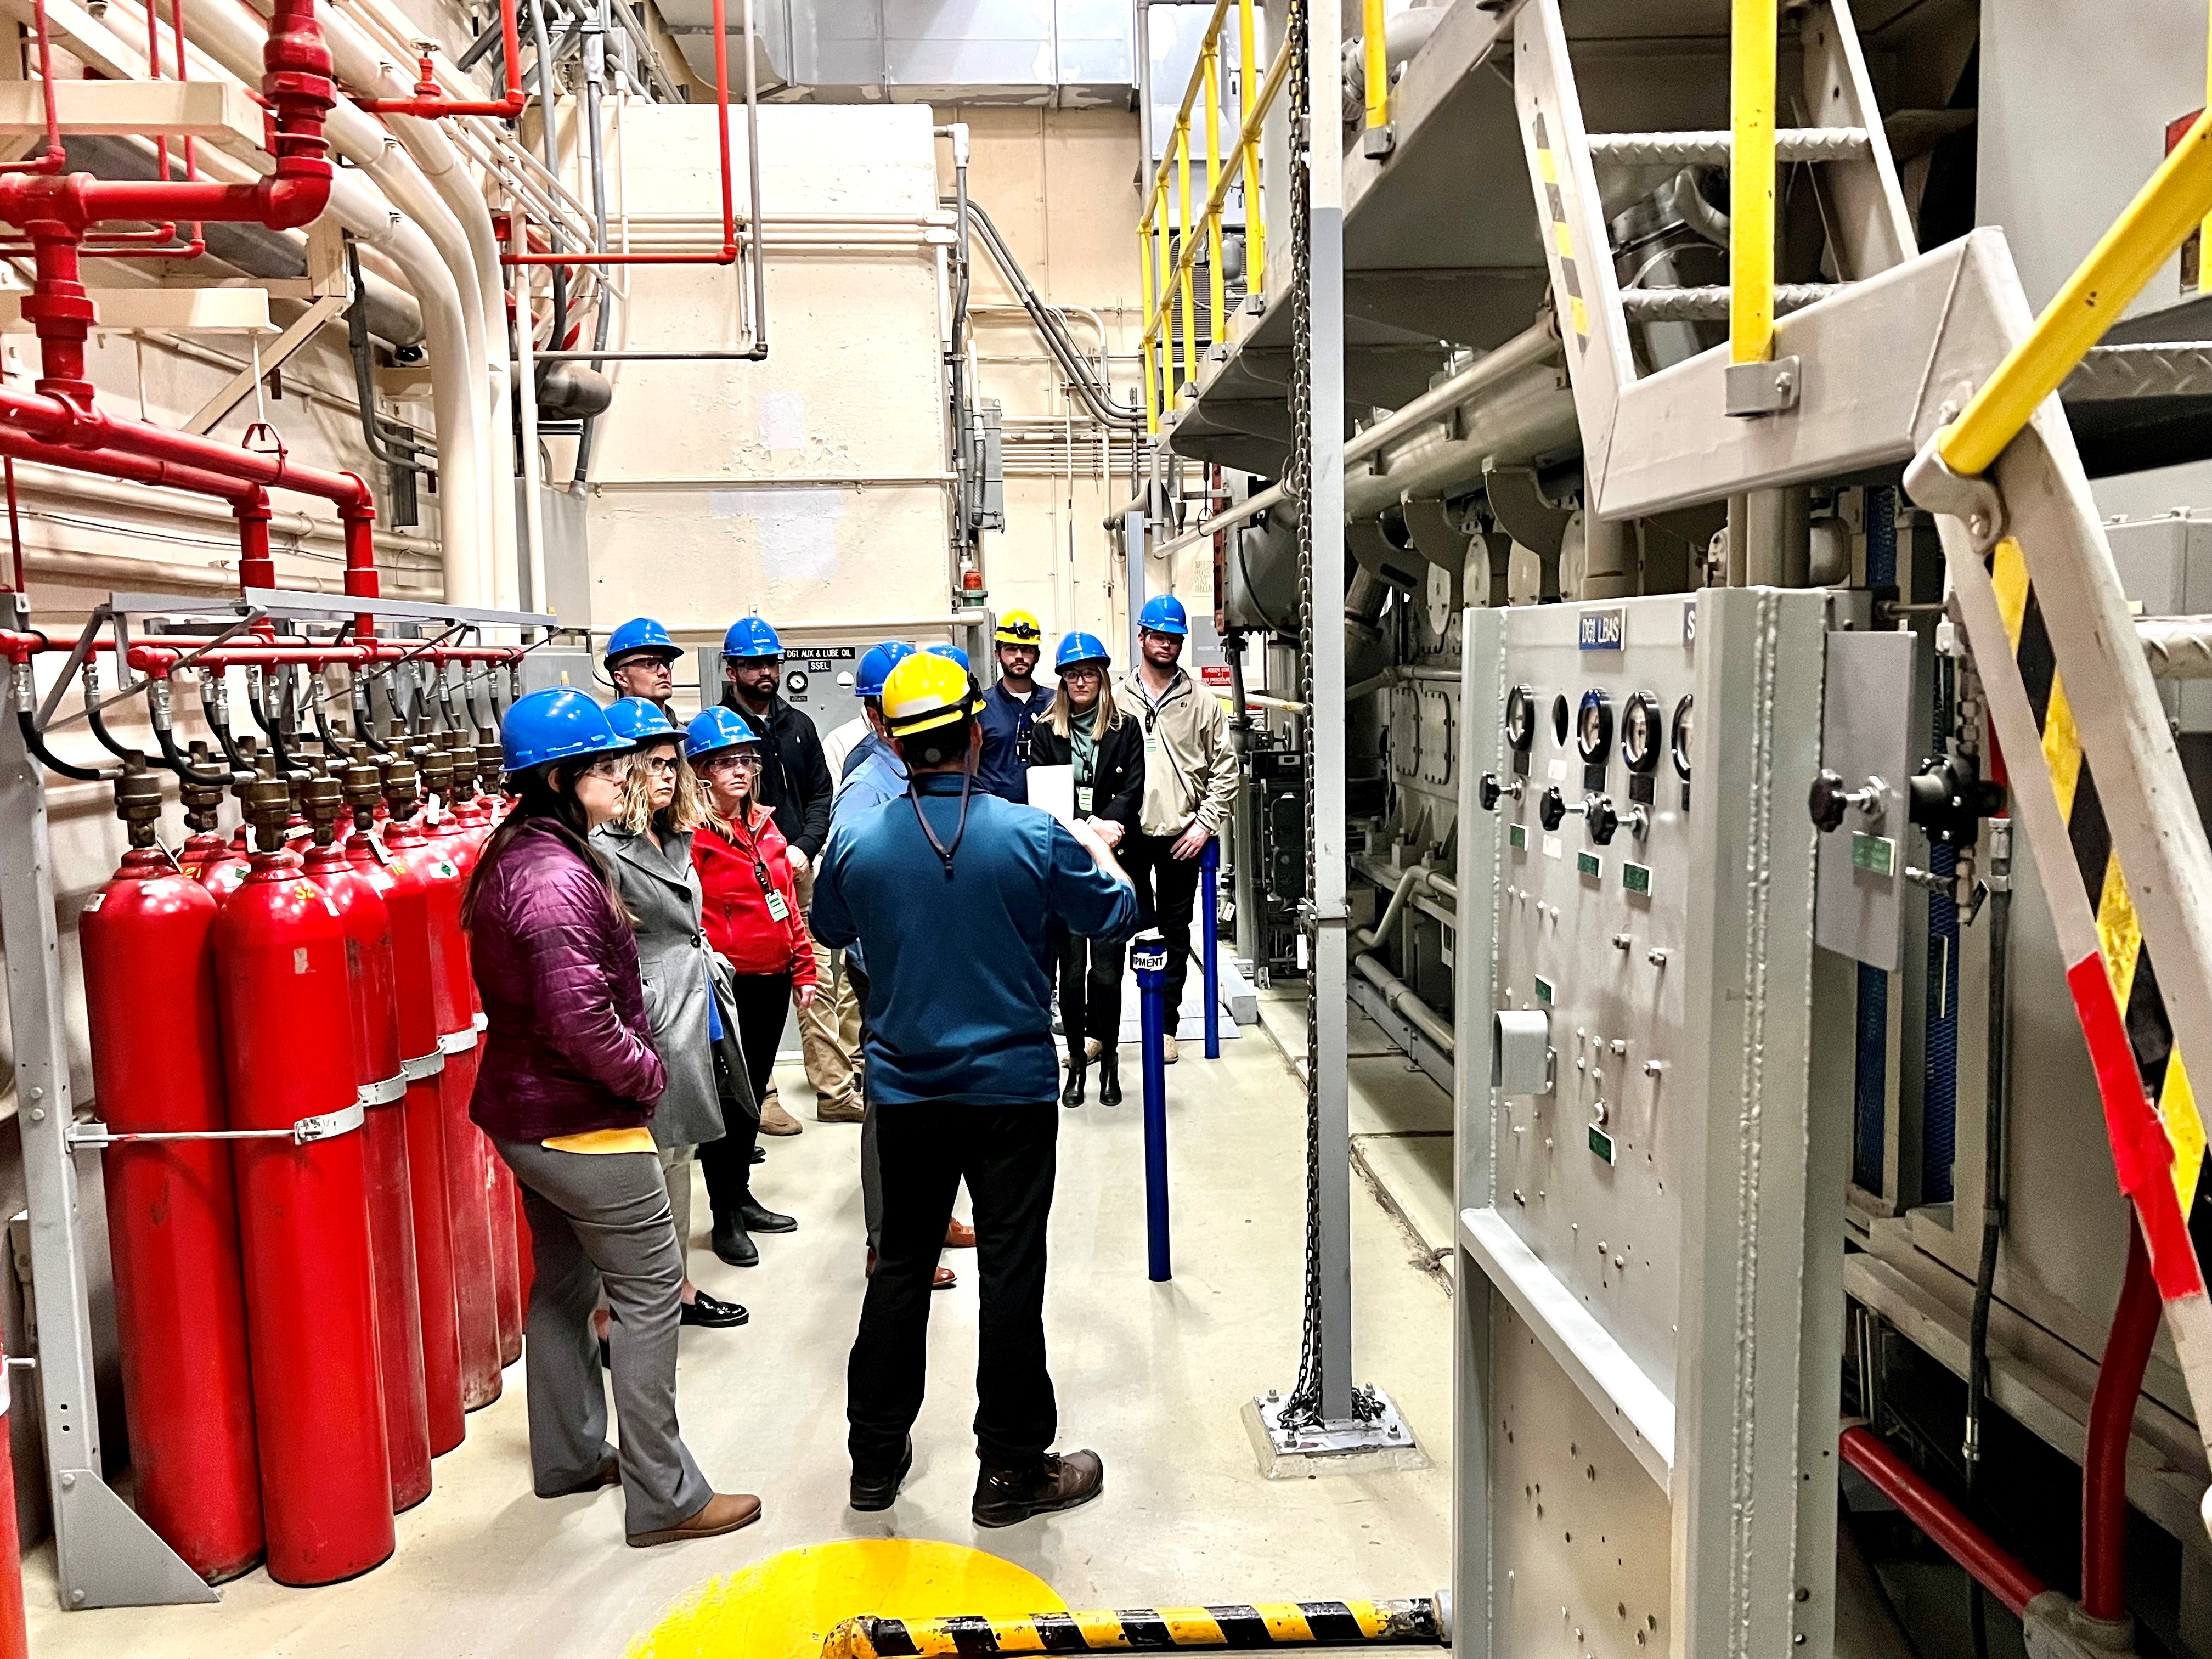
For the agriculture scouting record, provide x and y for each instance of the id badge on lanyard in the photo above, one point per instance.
(1082, 799)
(777, 910)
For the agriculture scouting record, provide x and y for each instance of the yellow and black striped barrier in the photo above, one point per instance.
(1240, 1629)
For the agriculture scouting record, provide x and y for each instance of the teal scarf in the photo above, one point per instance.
(1081, 732)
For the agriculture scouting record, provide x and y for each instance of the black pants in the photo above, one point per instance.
(1007, 1155)
(1167, 897)
(763, 1002)
(1090, 993)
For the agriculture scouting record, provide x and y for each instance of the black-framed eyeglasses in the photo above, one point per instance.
(662, 763)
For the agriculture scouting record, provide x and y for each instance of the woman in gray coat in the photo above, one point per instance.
(647, 850)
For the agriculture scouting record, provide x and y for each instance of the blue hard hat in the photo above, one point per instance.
(638, 721)
(876, 663)
(555, 725)
(1164, 614)
(641, 634)
(717, 728)
(750, 636)
(1079, 648)
(954, 652)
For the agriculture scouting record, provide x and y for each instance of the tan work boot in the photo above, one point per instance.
(839, 1111)
(1170, 1051)
(1005, 1497)
(725, 1511)
(774, 1121)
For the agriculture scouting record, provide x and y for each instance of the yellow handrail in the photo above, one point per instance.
(1378, 65)
(1754, 28)
(1168, 235)
(1248, 92)
(2166, 210)
(2205, 225)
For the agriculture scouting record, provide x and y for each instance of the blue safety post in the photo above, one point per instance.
(1209, 865)
(1150, 955)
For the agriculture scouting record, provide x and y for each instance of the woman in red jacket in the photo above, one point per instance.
(753, 921)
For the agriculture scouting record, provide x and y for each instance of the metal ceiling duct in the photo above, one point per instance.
(1068, 53)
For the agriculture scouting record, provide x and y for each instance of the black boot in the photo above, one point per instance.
(1073, 1094)
(1110, 1076)
(1004, 1496)
(732, 1245)
(755, 1217)
(881, 1491)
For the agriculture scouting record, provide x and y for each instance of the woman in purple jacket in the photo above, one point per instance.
(566, 1091)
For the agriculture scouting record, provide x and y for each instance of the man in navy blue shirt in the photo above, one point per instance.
(1012, 707)
(954, 896)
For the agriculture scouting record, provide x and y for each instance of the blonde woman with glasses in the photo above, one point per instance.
(648, 848)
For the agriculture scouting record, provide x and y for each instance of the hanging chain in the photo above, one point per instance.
(1304, 1408)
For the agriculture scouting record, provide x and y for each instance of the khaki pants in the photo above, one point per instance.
(830, 1029)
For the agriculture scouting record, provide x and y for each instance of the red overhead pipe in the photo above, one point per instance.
(2112, 1425)
(430, 102)
(728, 256)
(1999, 1572)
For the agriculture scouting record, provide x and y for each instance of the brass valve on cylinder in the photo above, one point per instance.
(269, 809)
(323, 797)
(362, 785)
(201, 801)
(398, 777)
(139, 803)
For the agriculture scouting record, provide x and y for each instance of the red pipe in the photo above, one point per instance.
(2112, 1425)
(18, 445)
(728, 256)
(1994, 1567)
(430, 102)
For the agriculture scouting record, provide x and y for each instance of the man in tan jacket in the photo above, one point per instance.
(1190, 785)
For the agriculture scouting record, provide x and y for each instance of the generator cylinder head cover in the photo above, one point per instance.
(1642, 728)
(1594, 727)
(1521, 717)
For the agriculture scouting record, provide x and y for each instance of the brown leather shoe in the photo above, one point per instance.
(774, 1121)
(959, 1235)
(839, 1111)
(945, 1280)
(725, 1511)
(1005, 1497)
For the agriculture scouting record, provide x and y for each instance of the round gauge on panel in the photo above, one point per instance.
(1560, 718)
(1521, 717)
(1684, 713)
(1594, 727)
(1641, 725)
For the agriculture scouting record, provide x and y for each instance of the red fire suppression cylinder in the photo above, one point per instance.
(172, 1213)
(461, 829)
(407, 903)
(14, 1637)
(287, 1015)
(359, 899)
(467, 1175)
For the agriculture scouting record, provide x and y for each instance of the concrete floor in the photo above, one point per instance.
(1153, 1376)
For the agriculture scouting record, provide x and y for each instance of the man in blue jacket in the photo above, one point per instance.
(954, 895)
(1011, 706)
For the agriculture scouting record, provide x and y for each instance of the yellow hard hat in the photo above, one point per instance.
(1019, 628)
(925, 691)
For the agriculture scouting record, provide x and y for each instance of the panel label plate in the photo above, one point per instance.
(1599, 631)
(1589, 864)
(1876, 854)
(1601, 1143)
(1636, 878)
(1516, 836)
(1543, 990)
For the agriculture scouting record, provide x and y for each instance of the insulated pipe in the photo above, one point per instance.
(389, 159)
(1401, 998)
(2112, 1425)
(1992, 1566)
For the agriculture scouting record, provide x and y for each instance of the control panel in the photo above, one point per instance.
(1636, 1169)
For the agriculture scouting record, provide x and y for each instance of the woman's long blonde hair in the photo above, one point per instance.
(1062, 712)
(687, 811)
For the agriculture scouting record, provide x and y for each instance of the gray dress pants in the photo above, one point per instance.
(603, 1218)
